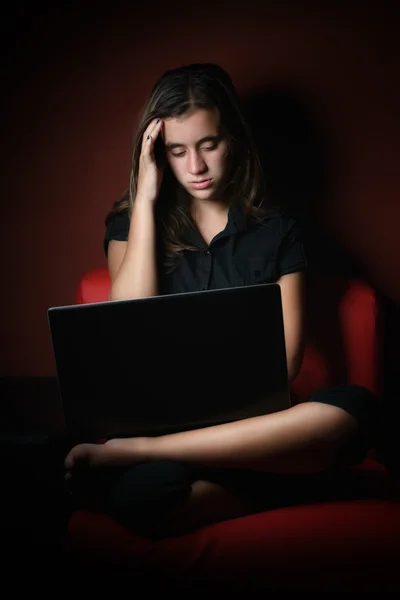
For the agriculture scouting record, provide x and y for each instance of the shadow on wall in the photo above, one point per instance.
(299, 166)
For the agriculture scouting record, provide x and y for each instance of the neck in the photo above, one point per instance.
(203, 209)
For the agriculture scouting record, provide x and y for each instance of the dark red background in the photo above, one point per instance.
(74, 80)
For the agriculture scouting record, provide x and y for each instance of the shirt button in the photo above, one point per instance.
(203, 289)
(256, 273)
(206, 252)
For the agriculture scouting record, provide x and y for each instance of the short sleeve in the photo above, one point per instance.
(291, 255)
(117, 228)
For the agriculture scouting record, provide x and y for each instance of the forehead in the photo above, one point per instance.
(193, 126)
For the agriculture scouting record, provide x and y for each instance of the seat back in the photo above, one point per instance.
(343, 343)
(344, 336)
(94, 286)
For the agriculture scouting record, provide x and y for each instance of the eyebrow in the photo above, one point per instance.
(208, 138)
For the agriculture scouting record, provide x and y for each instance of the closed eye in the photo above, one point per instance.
(208, 149)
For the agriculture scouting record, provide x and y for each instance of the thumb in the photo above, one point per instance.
(69, 460)
(74, 456)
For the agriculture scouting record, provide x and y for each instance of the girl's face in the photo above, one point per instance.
(196, 152)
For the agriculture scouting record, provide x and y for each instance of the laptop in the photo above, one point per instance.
(163, 364)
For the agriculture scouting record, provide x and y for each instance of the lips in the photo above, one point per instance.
(201, 185)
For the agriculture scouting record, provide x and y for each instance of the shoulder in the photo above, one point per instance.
(117, 226)
(283, 234)
(117, 221)
(278, 224)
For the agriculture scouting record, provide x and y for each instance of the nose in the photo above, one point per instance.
(196, 164)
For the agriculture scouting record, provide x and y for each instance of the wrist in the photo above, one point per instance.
(143, 202)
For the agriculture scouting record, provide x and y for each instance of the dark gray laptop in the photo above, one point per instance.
(163, 364)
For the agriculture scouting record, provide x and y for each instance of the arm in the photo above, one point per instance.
(115, 256)
(132, 264)
(293, 306)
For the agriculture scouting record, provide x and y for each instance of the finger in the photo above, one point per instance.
(148, 131)
(69, 461)
(150, 137)
(73, 456)
(154, 127)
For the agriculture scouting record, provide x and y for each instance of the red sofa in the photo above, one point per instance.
(351, 543)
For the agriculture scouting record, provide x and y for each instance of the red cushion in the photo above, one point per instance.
(343, 336)
(94, 287)
(360, 535)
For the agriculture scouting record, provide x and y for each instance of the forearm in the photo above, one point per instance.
(302, 439)
(137, 275)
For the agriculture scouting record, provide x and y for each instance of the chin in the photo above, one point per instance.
(204, 197)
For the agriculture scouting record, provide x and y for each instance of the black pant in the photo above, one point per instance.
(139, 495)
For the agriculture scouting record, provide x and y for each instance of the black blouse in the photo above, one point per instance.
(246, 252)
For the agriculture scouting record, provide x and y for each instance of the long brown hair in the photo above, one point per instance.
(178, 91)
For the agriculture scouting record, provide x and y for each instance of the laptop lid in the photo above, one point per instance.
(163, 364)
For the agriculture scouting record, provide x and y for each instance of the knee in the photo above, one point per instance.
(344, 394)
(353, 430)
(358, 402)
(142, 497)
(157, 484)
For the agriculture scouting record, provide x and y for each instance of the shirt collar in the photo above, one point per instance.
(237, 222)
